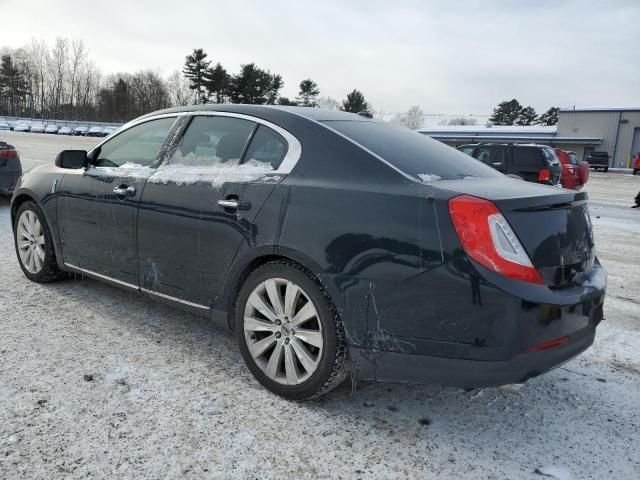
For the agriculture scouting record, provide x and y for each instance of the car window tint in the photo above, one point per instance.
(466, 150)
(211, 141)
(524, 157)
(411, 152)
(573, 159)
(492, 156)
(137, 145)
(550, 156)
(267, 146)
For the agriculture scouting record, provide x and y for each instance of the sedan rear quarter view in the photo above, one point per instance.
(332, 244)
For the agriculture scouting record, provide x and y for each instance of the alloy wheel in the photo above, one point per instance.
(283, 332)
(30, 241)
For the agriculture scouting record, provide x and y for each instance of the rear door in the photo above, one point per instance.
(98, 207)
(198, 207)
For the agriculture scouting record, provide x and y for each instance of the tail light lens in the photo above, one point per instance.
(487, 237)
(544, 175)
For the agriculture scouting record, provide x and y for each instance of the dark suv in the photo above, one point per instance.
(533, 163)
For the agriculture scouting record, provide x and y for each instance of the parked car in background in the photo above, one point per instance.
(106, 131)
(94, 132)
(21, 127)
(636, 164)
(327, 241)
(65, 131)
(4, 125)
(37, 128)
(530, 162)
(10, 168)
(575, 173)
(80, 130)
(599, 160)
(52, 129)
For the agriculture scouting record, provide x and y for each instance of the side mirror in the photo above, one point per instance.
(74, 159)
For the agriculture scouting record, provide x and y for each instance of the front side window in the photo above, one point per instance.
(467, 150)
(211, 141)
(136, 146)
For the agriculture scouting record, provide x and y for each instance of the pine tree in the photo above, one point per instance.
(527, 116)
(308, 94)
(506, 113)
(285, 101)
(217, 82)
(355, 102)
(254, 86)
(550, 117)
(195, 69)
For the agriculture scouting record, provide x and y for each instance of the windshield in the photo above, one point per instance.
(414, 153)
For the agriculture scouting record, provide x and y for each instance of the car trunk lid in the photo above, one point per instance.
(552, 225)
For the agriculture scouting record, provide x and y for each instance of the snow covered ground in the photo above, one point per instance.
(98, 382)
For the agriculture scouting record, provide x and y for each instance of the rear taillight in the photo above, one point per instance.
(544, 175)
(8, 154)
(488, 238)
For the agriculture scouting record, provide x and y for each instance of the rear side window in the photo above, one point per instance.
(550, 156)
(267, 146)
(526, 157)
(573, 159)
(211, 141)
(492, 156)
(411, 152)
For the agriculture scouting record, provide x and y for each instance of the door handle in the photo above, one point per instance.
(234, 204)
(125, 191)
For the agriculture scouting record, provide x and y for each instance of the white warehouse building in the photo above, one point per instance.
(581, 130)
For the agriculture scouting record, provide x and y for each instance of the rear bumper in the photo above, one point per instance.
(402, 367)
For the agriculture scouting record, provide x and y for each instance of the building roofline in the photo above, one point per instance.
(600, 109)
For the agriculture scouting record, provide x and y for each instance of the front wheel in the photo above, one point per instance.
(289, 333)
(34, 245)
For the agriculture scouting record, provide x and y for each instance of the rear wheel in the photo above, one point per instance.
(34, 245)
(606, 169)
(289, 333)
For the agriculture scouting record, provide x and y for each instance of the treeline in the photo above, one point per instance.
(511, 112)
(62, 82)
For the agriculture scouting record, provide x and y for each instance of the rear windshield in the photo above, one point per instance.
(412, 152)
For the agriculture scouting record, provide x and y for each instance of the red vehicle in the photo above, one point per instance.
(575, 173)
(636, 163)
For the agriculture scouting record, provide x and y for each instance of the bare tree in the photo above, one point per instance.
(179, 92)
(460, 121)
(413, 119)
(328, 103)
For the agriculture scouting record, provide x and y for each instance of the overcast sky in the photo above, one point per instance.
(447, 57)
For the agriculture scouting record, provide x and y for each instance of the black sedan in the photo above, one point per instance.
(331, 243)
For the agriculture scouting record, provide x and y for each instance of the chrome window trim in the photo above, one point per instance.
(133, 123)
(134, 287)
(294, 147)
(294, 150)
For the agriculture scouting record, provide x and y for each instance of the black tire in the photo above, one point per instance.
(606, 169)
(49, 272)
(332, 367)
(635, 171)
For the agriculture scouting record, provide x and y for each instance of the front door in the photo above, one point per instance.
(199, 206)
(98, 206)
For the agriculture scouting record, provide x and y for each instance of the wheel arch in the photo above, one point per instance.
(243, 269)
(23, 196)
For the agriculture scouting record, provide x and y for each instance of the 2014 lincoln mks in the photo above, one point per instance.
(331, 243)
